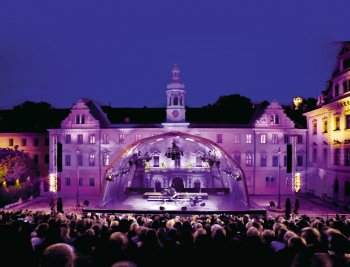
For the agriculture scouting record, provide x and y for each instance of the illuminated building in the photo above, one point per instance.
(329, 135)
(35, 144)
(254, 147)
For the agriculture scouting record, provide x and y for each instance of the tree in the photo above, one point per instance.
(18, 176)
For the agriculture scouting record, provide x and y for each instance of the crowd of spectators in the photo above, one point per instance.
(48, 239)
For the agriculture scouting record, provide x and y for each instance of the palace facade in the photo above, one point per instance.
(91, 146)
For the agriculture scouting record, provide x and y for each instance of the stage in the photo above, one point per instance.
(138, 203)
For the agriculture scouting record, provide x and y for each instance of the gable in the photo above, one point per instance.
(274, 117)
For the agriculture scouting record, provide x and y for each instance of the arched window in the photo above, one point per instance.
(82, 119)
(77, 119)
(277, 119)
(176, 101)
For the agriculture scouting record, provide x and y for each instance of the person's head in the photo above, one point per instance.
(58, 255)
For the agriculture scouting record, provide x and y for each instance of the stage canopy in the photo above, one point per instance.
(183, 161)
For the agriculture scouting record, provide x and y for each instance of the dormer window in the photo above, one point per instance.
(277, 119)
(345, 86)
(176, 101)
(77, 119)
(336, 90)
(82, 119)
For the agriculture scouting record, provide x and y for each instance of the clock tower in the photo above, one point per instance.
(175, 112)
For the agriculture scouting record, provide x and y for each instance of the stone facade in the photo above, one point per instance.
(91, 144)
(329, 135)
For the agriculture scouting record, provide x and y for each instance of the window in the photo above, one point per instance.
(219, 138)
(263, 160)
(236, 139)
(336, 90)
(36, 142)
(347, 157)
(67, 139)
(248, 138)
(277, 119)
(299, 160)
(325, 155)
(336, 123)
(80, 181)
(285, 161)
(80, 159)
(82, 119)
(337, 156)
(274, 139)
(345, 86)
(24, 141)
(92, 160)
(77, 119)
(262, 138)
(249, 159)
(138, 137)
(156, 161)
(121, 138)
(92, 139)
(92, 181)
(286, 139)
(67, 181)
(106, 159)
(275, 161)
(47, 142)
(47, 159)
(176, 101)
(314, 127)
(347, 121)
(237, 158)
(177, 163)
(270, 181)
(325, 126)
(105, 139)
(67, 160)
(314, 154)
(80, 138)
(36, 158)
(299, 139)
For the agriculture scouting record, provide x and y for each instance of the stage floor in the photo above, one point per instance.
(222, 202)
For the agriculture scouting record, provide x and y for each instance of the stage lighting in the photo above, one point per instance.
(162, 208)
(202, 204)
(183, 208)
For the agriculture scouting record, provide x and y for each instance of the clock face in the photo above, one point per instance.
(175, 113)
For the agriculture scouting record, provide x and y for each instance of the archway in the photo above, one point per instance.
(157, 186)
(178, 184)
(197, 186)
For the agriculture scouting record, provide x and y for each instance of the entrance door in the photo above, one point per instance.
(197, 186)
(178, 184)
(157, 186)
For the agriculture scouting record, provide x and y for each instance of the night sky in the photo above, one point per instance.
(121, 52)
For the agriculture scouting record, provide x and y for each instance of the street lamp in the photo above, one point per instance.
(78, 179)
(279, 178)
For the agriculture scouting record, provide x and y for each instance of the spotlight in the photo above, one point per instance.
(162, 208)
(202, 204)
(183, 208)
